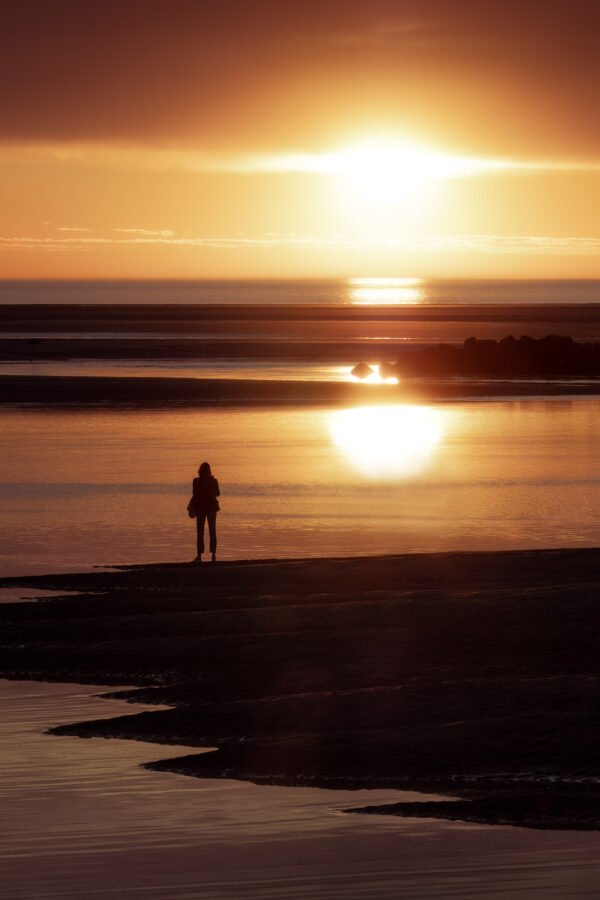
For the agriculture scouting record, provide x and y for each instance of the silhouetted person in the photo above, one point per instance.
(205, 489)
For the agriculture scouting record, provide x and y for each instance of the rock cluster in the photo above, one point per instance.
(554, 356)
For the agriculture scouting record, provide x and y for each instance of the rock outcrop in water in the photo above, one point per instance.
(362, 370)
(554, 356)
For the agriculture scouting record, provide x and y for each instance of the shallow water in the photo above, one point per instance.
(238, 369)
(256, 369)
(81, 819)
(81, 488)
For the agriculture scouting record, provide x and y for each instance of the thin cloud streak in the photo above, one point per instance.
(155, 159)
(147, 232)
(493, 244)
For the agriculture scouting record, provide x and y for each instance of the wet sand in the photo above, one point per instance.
(327, 332)
(474, 675)
(166, 317)
(155, 392)
(307, 334)
(83, 819)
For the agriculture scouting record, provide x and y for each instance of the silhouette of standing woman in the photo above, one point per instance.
(205, 489)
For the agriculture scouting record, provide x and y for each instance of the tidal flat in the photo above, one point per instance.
(471, 675)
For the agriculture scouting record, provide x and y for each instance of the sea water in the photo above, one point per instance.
(367, 290)
(86, 487)
(82, 820)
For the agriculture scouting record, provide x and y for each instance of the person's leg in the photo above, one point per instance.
(212, 531)
(200, 519)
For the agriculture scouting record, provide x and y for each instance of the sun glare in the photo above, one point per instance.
(387, 442)
(381, 172)
(375, 377)
(382, 291)
(381, 183)
(388, 171)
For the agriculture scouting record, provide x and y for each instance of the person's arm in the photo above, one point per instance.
(217, 491)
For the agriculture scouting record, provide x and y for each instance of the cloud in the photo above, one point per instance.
(147, 232)
(135, 158)
(489, 244)
(68, 228)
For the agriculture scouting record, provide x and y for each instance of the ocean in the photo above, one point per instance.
(356, 291)
(82, 487)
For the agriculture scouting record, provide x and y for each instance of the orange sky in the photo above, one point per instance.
(186, 140)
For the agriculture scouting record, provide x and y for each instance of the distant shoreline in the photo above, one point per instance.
(16, 317)
(320, 335)
(314, 330)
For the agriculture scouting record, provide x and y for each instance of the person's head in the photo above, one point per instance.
(204, 470)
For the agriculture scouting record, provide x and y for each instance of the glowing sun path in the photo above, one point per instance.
(385, 291)
(388, 442)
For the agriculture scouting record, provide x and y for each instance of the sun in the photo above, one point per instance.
(387, 171)
(383, 179)
(383, 172)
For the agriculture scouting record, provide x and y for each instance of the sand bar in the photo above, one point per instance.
(152, 392)
(309, 323)
(471, 674)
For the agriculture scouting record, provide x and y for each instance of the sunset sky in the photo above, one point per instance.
(439, 138)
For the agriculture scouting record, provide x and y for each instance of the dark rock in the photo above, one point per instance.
(362, 370)
(554, 356)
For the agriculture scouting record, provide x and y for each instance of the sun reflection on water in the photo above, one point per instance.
(386, 291)
(375, 376)
(388, 442)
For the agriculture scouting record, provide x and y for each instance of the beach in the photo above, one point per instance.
(473, 675)
(399, 631)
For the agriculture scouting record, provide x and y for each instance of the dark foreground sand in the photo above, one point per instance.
(471, 674)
